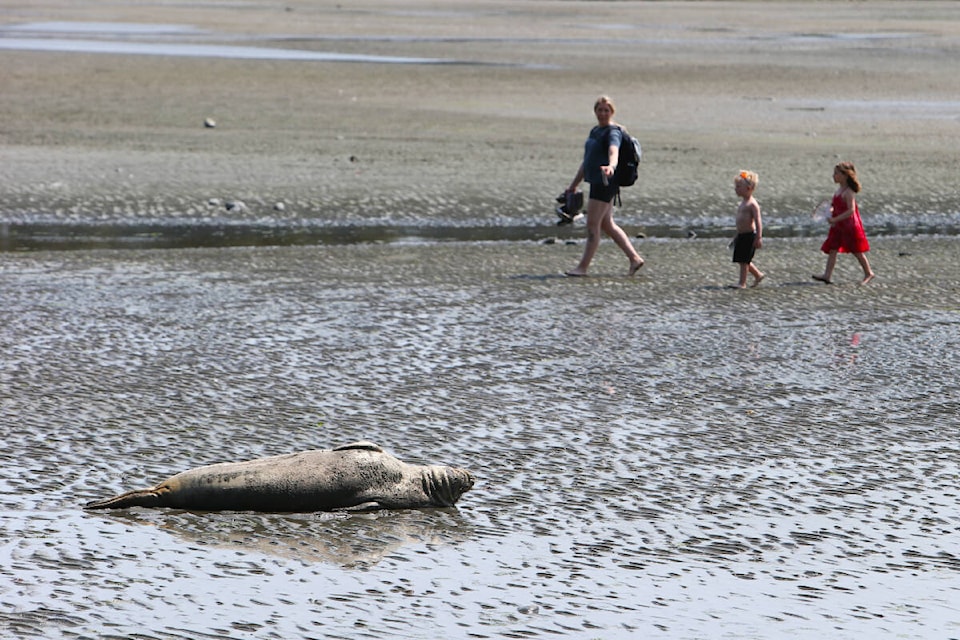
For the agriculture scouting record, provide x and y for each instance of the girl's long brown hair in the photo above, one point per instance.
(847, 169)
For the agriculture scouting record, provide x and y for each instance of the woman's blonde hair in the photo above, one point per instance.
(749, 177)
(848, 170)
(607, 101)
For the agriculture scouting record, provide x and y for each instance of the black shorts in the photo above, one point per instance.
(743, 250)
(602, 192)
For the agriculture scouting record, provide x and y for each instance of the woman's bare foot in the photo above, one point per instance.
(634, 267)
(867, 278)
(575, 273)
(758, 279)
(823, 279)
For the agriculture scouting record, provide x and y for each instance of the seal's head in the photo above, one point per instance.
(445, 485)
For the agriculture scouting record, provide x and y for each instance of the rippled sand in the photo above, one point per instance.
(658, 457)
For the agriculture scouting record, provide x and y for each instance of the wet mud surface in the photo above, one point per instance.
(657, 456)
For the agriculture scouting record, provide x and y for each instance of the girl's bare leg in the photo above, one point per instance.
(828, 271)
(868, 273)
(596, 212)
(620, 237)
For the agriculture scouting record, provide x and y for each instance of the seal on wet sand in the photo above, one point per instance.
(358, 476)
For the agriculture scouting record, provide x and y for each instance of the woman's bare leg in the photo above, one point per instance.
(620, 237)
(597, 211)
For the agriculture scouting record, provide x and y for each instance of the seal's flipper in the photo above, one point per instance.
(371, 505)
(363, 445)
(138, 498)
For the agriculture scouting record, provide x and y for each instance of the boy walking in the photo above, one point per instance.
(749, 228)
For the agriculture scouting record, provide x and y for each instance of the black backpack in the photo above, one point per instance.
(625, 175)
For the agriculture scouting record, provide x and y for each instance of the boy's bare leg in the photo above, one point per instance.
(744, 268)
(756, 273)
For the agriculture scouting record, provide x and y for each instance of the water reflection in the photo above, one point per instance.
(343, 539)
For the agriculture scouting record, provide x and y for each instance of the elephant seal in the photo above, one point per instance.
(358, 476)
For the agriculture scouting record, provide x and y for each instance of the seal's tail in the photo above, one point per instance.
(138, 498)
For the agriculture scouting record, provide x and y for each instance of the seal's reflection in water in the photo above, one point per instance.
(349, 540)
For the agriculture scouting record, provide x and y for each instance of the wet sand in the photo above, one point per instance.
(658, 456)
(783, 88)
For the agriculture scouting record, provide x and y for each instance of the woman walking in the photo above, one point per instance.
(600, 155)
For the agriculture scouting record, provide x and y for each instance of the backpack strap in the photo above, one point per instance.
(610, 128)
(623, 132)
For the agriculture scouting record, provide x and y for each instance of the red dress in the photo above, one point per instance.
(846, 236)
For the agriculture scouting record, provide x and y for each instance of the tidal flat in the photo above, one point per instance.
(657, 456)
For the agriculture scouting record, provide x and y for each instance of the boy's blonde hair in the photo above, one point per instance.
(749, 177)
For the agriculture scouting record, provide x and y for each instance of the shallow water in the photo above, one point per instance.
(658, 457)
(114, 38)
(202, 51)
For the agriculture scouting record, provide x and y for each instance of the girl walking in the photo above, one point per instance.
(846, 229)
